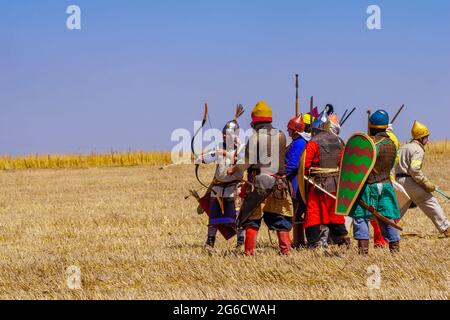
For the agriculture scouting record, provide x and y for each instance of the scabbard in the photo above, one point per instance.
(379, 216)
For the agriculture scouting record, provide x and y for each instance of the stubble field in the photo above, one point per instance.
(133, 236)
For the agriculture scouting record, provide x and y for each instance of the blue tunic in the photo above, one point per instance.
(293, 156)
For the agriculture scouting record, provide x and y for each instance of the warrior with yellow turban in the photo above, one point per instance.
(267, 195)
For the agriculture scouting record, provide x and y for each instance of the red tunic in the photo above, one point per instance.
(321, 207)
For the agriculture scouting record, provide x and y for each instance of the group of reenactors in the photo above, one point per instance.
(318, 186)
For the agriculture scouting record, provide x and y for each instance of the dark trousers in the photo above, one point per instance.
(298, 231)
(337, 233)
(274, 221)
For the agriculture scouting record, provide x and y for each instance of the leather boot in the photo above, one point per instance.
(295, 236)
(298, 232)
(363, 247)
(284, 242)
(378, 239)
(250, 241)
(348, 243)
(343, 241)
(394, 247)
(313, 245)
(210, 241)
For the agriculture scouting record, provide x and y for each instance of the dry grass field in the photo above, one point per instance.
(66, 161)
(133, 236)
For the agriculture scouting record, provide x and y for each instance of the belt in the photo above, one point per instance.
(402, 175)
(324, 172)
(324, 175)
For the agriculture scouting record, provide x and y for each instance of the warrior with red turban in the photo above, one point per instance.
(296, 130)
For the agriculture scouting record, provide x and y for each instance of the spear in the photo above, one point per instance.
(296, 95)
(173, 164)
(442, 194)
(369, 113)
(311, 107)
(343, 116)
(397, 114)
(346, 118)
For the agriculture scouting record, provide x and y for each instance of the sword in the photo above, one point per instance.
(442, 194)
(362, 203)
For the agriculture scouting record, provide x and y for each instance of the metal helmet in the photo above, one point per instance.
(334, 124)
(379, 120)
(230, 126)
(419, 130)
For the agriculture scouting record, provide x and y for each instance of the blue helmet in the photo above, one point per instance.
(379, 120)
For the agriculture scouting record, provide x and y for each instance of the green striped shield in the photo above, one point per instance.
(359, 158)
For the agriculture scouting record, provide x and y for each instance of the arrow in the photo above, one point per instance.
(173, 164)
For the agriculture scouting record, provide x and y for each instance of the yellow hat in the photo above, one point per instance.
(419, 130)
(262, 112)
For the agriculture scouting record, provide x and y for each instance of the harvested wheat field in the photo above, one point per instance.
(133, 236)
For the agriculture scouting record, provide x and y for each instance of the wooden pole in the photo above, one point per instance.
(296, 95)
(397, 114)
(369, 113)
(311, 107)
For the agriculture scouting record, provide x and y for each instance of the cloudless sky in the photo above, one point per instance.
(137, 70)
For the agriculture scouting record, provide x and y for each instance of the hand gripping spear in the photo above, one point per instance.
(371, 209)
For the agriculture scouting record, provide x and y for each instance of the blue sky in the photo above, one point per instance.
(137, 70)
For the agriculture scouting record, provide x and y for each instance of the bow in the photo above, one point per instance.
(197, 165)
